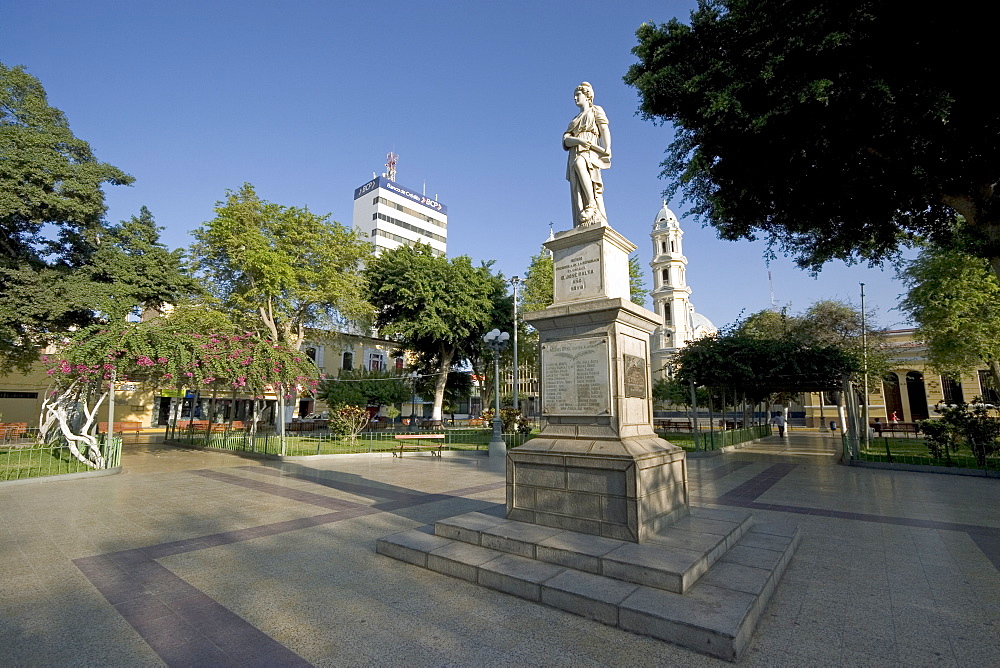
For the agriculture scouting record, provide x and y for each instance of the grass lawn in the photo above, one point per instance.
(914, 451)
(681, 440)
(322, 443)
(35, 462)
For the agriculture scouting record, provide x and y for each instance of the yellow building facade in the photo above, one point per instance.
(910, 391)
(22, 394)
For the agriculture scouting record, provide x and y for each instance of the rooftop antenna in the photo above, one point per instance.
(390, 165)
(770, 280)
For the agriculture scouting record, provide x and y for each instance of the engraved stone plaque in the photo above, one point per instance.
(635, 377)
(577, 272)
(576, 377)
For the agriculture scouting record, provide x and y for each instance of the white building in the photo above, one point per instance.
(671, 294)
(391, 215)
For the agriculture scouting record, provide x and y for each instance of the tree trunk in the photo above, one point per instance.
(447, 354)
(995, 372)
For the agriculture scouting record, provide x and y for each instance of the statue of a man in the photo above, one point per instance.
(588, 140)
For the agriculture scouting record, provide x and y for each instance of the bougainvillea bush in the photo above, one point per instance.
(192, 348)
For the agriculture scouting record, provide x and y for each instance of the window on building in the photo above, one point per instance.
(311, 354)
(347, 364)
(399, 364)
(375, 360)
(666, 314)
(673, 246)
(666, 276)
(952, 390)
(663, 246)
(988, 387)
(18, 395)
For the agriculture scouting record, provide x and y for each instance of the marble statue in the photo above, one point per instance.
(588, 141)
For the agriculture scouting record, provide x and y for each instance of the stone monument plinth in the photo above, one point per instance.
(597, 467)
(597, 518)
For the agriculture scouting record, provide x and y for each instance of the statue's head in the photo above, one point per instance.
(586, 89)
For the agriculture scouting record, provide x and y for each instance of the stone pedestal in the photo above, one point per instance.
(597, 467)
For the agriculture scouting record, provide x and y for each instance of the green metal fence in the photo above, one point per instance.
(716, 440)
(325, 443)
(910, 450)
(24, 456)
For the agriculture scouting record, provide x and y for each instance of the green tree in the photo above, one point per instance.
(282, 267)
(835, 129)
(48, 176)
(50, 184)
(637, 281)
(753, 369)
(538, 284)
(364, 387)
(954, 299)
(193, 347)
(827, 322)
(435, 306)
(131, 269)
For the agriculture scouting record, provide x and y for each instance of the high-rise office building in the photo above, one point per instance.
(392, 215)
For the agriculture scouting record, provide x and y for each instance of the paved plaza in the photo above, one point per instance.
(195, 558)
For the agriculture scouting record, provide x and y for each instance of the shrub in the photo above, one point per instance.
(512, 421)
(349, 421)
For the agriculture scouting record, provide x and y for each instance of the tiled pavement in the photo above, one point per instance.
(210, 559)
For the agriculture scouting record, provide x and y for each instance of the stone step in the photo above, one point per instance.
(716, 616)
(696, 541)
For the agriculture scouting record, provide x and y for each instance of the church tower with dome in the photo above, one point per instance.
(671, 294)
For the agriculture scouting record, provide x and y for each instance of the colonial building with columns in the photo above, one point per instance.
(671, 294)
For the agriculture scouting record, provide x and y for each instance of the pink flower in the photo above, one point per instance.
(168, 375)
(161, 360)
(188, 374)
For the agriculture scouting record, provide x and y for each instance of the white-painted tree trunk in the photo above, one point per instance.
(56, 413)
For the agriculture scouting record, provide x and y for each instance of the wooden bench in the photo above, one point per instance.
(890, 429)
(120, 427)
(404, 442)
(673, 425)
(12, 430)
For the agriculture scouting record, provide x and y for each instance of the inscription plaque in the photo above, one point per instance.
(576, 377)
(635, 377)
(577, 272)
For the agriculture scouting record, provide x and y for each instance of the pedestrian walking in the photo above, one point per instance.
(779, 421)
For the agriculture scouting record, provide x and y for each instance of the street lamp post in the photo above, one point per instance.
(514, 280)
(864, 350)
(413, 375)
(497, 341)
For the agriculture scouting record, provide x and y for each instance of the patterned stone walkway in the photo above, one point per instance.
(208, 559)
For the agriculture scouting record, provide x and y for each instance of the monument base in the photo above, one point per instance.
(626, 489)
(702, 583)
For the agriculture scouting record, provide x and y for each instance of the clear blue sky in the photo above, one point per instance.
(304, 99)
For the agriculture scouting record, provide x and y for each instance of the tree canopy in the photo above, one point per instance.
(776, 352)
(192, 347)
(438, 307)
(281, 267)
(954, 299)
(363, 387)
(48, 176)
(756, 368)
(833, 129)
(62, 266)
